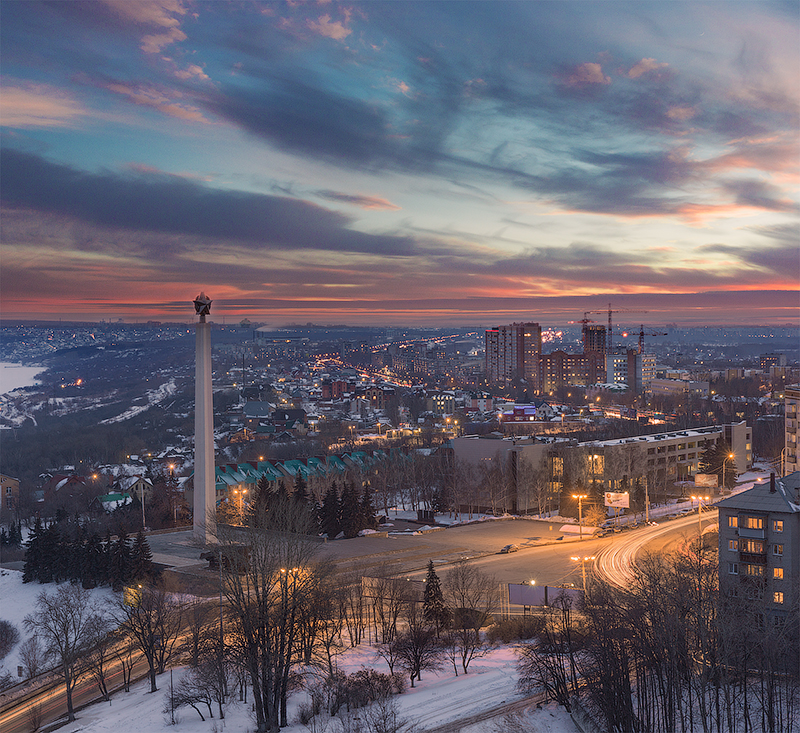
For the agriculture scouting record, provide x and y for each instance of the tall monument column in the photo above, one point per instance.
(204, 483)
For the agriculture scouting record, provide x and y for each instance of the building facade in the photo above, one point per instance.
(514, 352)
(9, 497)
(791, 402)
(759, 545)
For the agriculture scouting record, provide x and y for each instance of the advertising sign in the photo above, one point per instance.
(618, 499)
(705, 480)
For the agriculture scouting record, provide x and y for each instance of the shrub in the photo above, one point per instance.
(515, 629)
(9, 636)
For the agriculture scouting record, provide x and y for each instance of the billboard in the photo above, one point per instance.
(618, 499)
(541, 595)
(705, 480)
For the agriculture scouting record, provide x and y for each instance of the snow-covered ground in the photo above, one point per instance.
(440, 697)
(436, 700)
(17, 600)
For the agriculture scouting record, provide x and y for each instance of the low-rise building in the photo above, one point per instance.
(9, 497)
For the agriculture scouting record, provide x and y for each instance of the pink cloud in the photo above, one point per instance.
(681, 114)
(159, 14)
(644, 66)
(589, 73)
(330, 29)
(38, 105)
(156, 99)
(193, 71)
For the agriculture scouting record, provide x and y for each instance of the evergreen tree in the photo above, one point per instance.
(33, 552)
(300, 493)
(141, 557)
(93, 571)
(50, 563)
(434, 609)
(330, 521)
(350, 511)
(367, 518)
(15, 534)
(76, 552)
(715, 459)
(120, 565)
(108, 550)
(258, 509)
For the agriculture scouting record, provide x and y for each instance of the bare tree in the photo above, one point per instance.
(32, 656)
(471, 595)
(417, 647)
(68, 624)
(153, 618)
(264, 594)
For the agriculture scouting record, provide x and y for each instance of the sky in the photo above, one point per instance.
(400, 163)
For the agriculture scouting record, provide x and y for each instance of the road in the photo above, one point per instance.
(549, 564)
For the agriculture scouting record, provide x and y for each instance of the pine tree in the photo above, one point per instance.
(300, 493)
(330, 520)
(259, 508)
(350, 510)
(93, 571)
(33, 552)
(141, 558)
(120, 565)
(76, 551)
(50, 564)
(367, 518)
(435, 611)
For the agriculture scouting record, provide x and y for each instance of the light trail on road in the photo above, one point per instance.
(615, 563)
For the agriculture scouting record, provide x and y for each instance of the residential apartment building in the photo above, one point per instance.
(514, 352)
(759, 545)
(9, 497)
(791, 402)
(581, 370)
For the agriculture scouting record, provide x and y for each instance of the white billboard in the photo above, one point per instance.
(618, 499)
(705, 480)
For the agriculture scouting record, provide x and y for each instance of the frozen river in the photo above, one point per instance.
(13, 376)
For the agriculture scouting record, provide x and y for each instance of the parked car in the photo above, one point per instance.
(508, 548)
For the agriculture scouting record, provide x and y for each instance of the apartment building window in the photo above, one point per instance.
(681, 446)
(690, 456)
(9, 491)
(733, 522)
(777, 573)
(755, 546)
(753, 570)
(9, 503)
(651, 451)
(733, 545)
(693, 445)
(777, 596)
(754, 522)
(733, 568)
(777, 525)
(777, 550)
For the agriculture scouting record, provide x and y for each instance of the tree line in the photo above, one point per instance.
(71, 551)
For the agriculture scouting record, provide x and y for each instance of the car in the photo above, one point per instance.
(684, 512)
(508, 548)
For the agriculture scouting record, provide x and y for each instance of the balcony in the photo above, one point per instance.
(754, 558)
(753, 534)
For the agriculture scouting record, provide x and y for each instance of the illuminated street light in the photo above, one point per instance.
(700, 500)
(727, 458)
(583, 561)
(580, 498)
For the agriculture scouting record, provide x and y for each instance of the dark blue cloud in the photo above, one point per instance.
(170, 204)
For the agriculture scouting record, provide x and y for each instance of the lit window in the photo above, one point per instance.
(777, 525)
(777, 549)
(754, 522)
(733, 545)
(733, 521)
(777, 596)
(777, 573)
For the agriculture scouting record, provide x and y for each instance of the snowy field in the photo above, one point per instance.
(436, 700)
(440, 697)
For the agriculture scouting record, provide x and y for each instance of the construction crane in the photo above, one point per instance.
(609, 339)
(642, 334)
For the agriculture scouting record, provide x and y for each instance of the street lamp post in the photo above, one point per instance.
(699, 500)
(580, 498)
(727, 458)
(583, 561)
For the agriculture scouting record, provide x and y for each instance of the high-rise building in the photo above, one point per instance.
(791, 397)
(514, 352)
(594, 338)
(759, 545)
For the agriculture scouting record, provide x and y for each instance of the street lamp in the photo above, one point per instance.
(699, 500)
(580, 498)
(583, 561)
(727, 458)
